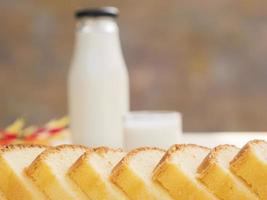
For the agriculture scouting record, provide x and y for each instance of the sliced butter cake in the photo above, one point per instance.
(251, 165)
(134, 174)
(49, 172)
(92, 171)
(215, 173)
(14, 184)
(178, 169)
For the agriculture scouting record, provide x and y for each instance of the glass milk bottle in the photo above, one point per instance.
(98, 80)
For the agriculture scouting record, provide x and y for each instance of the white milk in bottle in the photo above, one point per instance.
(98, 80)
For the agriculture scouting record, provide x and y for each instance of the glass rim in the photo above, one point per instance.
(152, 114)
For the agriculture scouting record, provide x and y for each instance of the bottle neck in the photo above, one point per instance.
(97, 24)
(99, 35)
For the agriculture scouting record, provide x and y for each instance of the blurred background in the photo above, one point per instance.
(206, 59)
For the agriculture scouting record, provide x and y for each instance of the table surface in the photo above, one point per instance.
(216, 138)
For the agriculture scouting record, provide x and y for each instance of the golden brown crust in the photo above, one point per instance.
(132, 153)
(52, 150)
(246, 149)
(125, 160)
(176, 147)
(211, 158)
(12, 147)
(105, 149)
(80, 160)
(99, 150)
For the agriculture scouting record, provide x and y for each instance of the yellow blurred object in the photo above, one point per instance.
(63, 137)
(16, 126)
(29, 130)
(58, 123)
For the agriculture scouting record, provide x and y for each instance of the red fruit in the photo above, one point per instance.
(7, 138)
(55, 131)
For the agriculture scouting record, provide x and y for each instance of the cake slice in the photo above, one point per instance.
(251, 165)
(91, 173)
(214, 172)
(49, 172)
(177, 172)
(14, 184)
(2, 197)
(133, 175)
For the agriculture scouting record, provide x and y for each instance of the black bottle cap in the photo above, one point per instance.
(97, 12)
